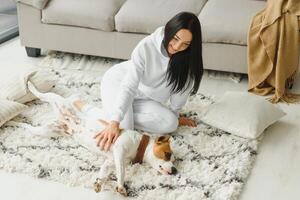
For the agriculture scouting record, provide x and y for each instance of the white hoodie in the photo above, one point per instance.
(146, 74)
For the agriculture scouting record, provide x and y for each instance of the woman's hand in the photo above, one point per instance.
(184, 121)
(108, 136)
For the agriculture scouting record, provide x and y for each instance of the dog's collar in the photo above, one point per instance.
(141, 150)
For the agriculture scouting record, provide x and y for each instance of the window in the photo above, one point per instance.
(8, 20)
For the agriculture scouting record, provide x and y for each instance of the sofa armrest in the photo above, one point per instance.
(39, 4)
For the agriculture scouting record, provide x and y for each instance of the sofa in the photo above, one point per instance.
(112, 28)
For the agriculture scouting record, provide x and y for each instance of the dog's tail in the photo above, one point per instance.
(47, 97)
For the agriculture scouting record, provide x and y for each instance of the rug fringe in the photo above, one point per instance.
(287, 98)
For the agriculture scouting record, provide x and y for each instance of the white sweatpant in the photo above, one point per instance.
(145, 114)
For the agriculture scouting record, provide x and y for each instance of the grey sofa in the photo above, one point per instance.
(112, 28)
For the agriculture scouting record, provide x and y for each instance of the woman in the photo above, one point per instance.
(166, 65)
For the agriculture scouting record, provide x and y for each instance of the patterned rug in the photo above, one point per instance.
(212, 164)
(62, 60)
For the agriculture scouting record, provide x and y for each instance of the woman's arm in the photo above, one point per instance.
(130, 83)
(177, 101)
(124, 99)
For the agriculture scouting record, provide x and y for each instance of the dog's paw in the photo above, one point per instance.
(121, 189)
(98, 185)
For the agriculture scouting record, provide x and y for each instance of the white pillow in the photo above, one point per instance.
(13, 83)
(242, 114)
(9, 109)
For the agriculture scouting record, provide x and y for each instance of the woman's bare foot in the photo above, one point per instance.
(78, 104)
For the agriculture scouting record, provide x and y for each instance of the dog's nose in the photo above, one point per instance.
(174, 171)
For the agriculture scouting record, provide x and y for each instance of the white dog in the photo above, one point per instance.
(83, 122)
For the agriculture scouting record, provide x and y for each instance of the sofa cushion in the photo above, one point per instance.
(227, 21)
(97, 14)
(39, 4)
(144, 16)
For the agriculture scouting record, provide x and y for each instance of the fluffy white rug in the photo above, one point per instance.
(212, 164)
(61, 60)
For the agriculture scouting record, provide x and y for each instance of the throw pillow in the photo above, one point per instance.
(242, 114)
(13, 83)
(9, 109)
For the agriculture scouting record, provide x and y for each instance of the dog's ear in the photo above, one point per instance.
(162, 139)
(168, 156)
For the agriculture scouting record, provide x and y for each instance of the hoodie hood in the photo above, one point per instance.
(157, 37)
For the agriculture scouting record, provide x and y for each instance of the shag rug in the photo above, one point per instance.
(211, 164)
(61, 60)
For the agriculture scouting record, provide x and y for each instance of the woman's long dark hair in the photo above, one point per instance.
(185, 67)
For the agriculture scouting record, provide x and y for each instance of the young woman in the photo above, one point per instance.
(166, 65)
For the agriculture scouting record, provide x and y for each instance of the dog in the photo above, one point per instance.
(83, 122)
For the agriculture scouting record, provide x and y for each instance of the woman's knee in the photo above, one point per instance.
(169, 122)
(153, 117)
(164, 123)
